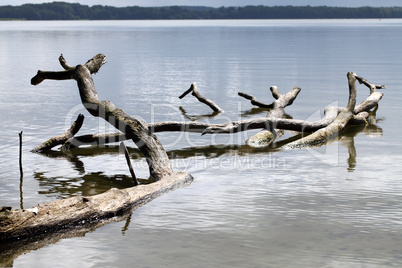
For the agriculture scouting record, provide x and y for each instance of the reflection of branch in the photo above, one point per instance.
(195, 93)
(126, 225)
(372, 129)
(196, 117)
(349, 142)
(78, 164)
(253, 111)
(12, 250)
(87, 185)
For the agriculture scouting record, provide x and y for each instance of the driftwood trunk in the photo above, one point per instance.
(158, 161)
(70, 213)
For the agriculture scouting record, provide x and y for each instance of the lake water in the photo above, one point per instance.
(335, 206)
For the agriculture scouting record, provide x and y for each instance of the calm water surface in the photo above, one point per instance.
(334, 206)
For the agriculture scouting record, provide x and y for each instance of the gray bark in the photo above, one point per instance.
(70, 213)
(158, 161)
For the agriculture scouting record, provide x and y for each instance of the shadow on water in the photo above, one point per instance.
(197, 117)
(96, 182)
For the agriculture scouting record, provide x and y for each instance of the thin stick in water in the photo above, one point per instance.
(129, 163)
(21, 172)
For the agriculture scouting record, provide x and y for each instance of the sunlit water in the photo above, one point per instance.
(334, 206)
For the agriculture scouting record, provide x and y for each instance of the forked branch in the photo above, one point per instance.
(200, 98)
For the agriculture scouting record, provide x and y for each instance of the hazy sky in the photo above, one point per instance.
(218, 3)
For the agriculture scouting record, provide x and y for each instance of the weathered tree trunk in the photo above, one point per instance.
(158, 161)
(77, 211)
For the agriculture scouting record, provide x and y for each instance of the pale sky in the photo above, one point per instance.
(218, 3)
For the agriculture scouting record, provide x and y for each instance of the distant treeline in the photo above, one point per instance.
(67, 11)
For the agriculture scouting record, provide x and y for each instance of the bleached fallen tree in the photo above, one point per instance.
(273, 120)
(79, 211)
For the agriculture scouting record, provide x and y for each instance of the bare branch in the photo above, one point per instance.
(200, 98)
(254, 101)
(75, 127)
(371, 86)
(327, 133)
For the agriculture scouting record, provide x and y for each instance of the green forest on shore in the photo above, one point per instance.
(67, 11)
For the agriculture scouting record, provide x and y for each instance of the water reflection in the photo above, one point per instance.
(89, 184)
(9, 252)
(197, 117)
(254, 111)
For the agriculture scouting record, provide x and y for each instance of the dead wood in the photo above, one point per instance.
(61, 139)
(254, 101)
(331, 131)
(94, 139)
(330, 113)
(158, 161)
(70, 213)
(351, 114)
(130, 167)
(266, 136)
(200, 98)
(271, 122)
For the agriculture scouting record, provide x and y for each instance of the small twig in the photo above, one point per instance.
(186, 92)
(200, 98)
(129, 163)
